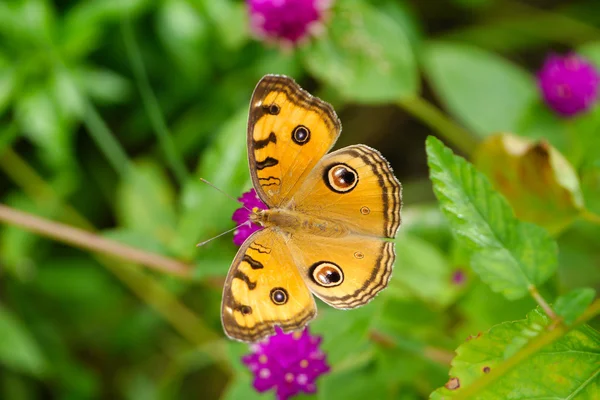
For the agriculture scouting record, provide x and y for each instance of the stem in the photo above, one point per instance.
(591, 217)
(105, 140)
(445, 127)
(542, 302)
(533, 347)
(151, 105)
(90, 241)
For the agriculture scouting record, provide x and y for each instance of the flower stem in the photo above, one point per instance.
(542, 302)
(456, 135)
(151, 105)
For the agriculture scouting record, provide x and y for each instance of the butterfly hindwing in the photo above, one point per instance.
(263, 289)
(289, 131)
(344, 272)
(356, 187)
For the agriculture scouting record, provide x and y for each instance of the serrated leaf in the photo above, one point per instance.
(571, 305)
(18, 349)
(564, 369)
(509, 255)
(540, 184)
(474, 84)
(365, 55)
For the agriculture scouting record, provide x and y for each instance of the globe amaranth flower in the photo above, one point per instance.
(241, 216)
(286, 21)
(290, 363)
(569, 84)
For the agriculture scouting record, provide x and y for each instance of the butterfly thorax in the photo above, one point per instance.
(292, 221)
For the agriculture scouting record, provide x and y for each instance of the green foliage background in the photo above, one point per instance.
(111, 111)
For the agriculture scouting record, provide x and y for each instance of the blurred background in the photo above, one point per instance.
(111, 111)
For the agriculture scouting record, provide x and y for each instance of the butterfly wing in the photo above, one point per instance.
(263, 289)
(344, 272)
(356, 187)
(289, 131)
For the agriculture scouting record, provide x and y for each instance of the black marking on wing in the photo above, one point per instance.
(264, 249)
(376, 282)
(274, 181)
(267, 162)
(253, 263)
(390, 187)
(240, 275)
(259, 144)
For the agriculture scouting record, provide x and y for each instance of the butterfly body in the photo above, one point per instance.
(290, 222)
(329, 221)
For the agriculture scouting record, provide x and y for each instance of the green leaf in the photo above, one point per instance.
(475, 85)
(145, 202)
(365, 55)
(102, 85)
(41, 121)
(509, 255)
(565, 369)
(19, 350)
(540, 184)
(422, 270)
(571, 305)
(184, 32)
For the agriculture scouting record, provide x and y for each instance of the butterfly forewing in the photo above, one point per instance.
(289, 131)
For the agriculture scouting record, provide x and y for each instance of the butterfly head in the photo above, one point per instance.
(258, 216)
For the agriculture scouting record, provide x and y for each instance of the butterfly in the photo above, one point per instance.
(329, 223)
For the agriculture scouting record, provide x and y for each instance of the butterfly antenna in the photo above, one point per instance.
(226, 194)
(221, 234)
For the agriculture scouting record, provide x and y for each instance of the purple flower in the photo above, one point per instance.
(286, 21)
(569, 84)
(458, 277)
(241, 216)
(288, 362)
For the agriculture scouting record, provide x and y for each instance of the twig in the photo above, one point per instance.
(90, 241)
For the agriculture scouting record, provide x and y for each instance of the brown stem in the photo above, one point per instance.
(90, 241)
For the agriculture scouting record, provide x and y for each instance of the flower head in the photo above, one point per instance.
(459, 277)
(569, 84)
(241, 216)
(286, 21)
(290, 363)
